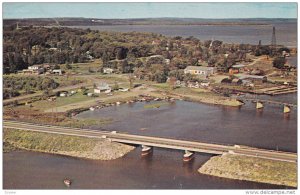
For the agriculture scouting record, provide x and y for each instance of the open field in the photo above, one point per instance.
(98, 149)
(84, 68)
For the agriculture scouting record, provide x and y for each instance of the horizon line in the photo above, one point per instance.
(147, 18)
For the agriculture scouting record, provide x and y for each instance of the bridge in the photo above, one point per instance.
(260, 102)
(183, 145)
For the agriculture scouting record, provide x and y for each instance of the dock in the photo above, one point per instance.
(277, 90)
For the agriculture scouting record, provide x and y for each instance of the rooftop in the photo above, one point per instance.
(238, 66)
(245, 76)
(203, 68)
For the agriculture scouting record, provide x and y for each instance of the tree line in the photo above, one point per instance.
(127, 52)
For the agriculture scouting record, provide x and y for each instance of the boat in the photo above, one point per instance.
(188, 156)
(67, 182)
(92, 108)
(146, 150)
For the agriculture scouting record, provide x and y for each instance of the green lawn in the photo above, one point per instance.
(61, 101)
(83, 67)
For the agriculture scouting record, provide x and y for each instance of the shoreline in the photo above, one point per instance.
(254, 169)
(74, 146)
(227, 102)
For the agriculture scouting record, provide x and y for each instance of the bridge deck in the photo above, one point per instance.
(267, 101)
(155, 141)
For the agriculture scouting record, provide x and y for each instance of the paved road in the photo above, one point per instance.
(157, 141)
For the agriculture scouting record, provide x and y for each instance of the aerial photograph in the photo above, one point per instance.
(149, 96)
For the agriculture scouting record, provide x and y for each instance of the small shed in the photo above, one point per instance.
(57, 71)
(108, 70)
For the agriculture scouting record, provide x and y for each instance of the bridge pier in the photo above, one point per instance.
(146, 150)
(188, 155)
(259, 105)
(286, 109)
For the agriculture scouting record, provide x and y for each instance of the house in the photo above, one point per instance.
(90, 94)
(254, 78)
(34, 69)
(236, 68)
(200, 70)
(193, 84)
(57, 71)
(63, 94)
(108, 70)
(205, 84)
(167, 61)
(102, 87)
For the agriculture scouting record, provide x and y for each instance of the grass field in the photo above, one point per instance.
(251, 169)
(76, 146)
(84, 68)
(61, 101)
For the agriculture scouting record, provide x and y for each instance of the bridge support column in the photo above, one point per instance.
(259, 105)
(146, 150)
(188, 155)
(286, 109)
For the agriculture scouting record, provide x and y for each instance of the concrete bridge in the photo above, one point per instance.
(260, 103)
(149, 141)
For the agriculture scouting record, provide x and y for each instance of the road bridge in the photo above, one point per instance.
(183, 145)
(260, 103)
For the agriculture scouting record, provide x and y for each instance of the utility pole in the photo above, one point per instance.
(273, 41)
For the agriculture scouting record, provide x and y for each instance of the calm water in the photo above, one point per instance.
(268, 129)
(292, 60)
(164, 169)
(286, 33)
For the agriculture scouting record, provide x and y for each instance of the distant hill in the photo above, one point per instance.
(142, 21)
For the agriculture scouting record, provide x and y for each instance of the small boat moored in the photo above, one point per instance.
(146, 150)
(188, 156)
(67, 182)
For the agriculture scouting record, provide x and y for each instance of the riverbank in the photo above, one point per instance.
(251, 169)
(89, 148)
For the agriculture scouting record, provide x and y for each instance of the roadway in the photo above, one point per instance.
(192, 146)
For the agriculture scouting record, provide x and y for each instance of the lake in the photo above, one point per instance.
(286, 33)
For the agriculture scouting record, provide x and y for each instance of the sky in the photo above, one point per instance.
(150, 10)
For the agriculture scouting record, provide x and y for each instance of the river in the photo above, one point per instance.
(269, 129)
(164, 169)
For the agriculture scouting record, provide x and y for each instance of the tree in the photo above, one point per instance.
(116, 86)
(68, 66)
(279, 62)
(172, 83)
(130, 79)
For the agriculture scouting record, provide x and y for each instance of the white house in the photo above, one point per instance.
(57, 71)
(200, 70)
(108, 70)
(102, 87)
(35, 69)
